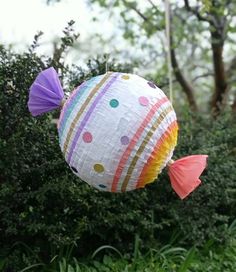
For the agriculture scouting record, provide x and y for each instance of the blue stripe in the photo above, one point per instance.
(88, 85)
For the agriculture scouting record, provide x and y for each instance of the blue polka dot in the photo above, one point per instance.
(102, 186)
(114, 103)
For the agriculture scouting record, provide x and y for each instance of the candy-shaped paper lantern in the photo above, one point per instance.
(117, 131)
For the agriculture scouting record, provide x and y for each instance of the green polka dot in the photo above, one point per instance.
(99, 168)
(114, 103)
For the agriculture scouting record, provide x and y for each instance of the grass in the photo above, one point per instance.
(211, 258)
(164, 259)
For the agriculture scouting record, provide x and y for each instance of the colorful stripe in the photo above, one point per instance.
(146, 140)
(85, 104)
(134, 141)
(64, 112)
(163, 147)
(88, 114)
(72, 102)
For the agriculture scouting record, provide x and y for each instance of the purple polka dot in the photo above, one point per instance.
(124, 140)
(151, 84)
(143, 100)
(87, 137)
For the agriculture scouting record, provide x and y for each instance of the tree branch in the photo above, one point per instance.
(186, 87)
(196, 12)
(203, 75)
(133, 7)
(232, 67)
(153, 5)
(220, 78)
(234, 104)
(230, 73)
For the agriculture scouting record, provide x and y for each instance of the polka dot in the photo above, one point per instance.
(124, 140)
(114, 103)
(151, 84)
(99, 168)
(74, 169)
(87, 137)
(125, 77)
(102, 186)
(143, 100)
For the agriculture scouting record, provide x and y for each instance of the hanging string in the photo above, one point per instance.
(106, 64)
(167, 24)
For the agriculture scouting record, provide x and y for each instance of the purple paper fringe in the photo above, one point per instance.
(46, 92)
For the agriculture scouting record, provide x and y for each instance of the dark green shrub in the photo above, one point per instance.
(206, 212)
(42, 203)
(40, 199)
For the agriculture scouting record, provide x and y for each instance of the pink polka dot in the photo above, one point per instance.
(143, 100)
(87, 137)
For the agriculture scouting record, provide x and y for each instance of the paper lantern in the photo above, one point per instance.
(117, 131)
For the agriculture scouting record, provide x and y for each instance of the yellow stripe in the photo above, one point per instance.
(87, 101)
(158, 156)
(144, 143)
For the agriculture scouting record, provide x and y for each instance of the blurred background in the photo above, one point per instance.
(52, 221)
(134, 32)
(101, 29)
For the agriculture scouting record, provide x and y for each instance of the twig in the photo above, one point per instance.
(196, 12)
(153, 5)
(203, 75)
(133, 7)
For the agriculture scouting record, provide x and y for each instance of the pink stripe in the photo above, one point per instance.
(134, 141)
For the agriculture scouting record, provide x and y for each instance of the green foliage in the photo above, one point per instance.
(60, 49)
(40, 199)
(207, 212)
(207, 5)
(42, 204)
(164, 259)
(95, 66)
(193, 23)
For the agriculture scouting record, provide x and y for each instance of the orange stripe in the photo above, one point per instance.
(143, 145)
(134, 141)
(170, 132)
